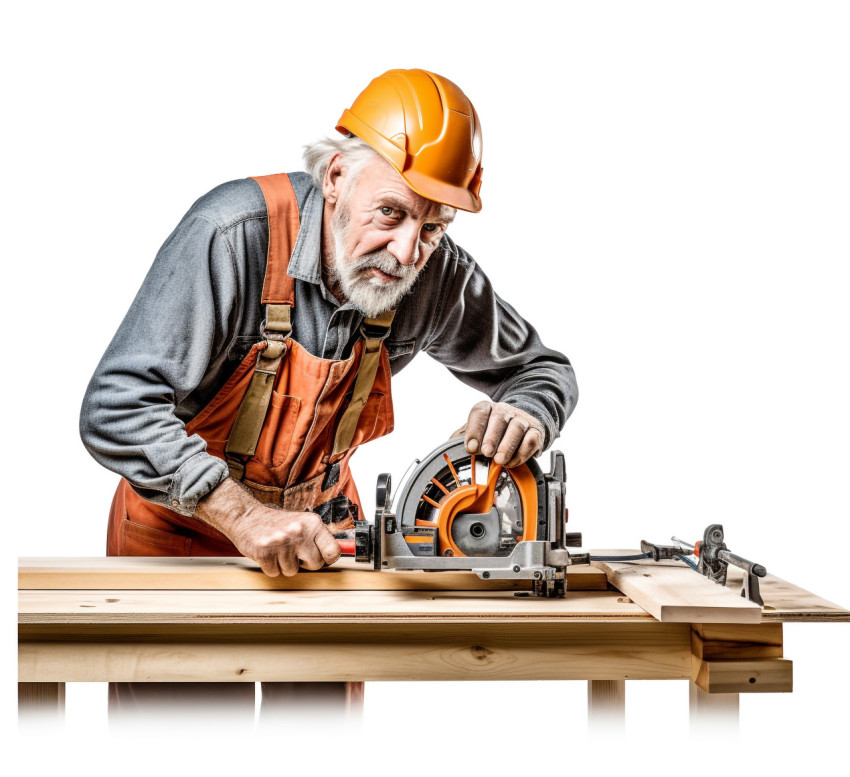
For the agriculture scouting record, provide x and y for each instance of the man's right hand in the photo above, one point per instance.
(280, 541)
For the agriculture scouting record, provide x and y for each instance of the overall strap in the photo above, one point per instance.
(279, 298)
(282, 207)
(374, 331)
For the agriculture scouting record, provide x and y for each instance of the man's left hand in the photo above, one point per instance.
(500, 431)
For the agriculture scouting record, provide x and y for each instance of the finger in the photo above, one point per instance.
(269, 566)
(531, 443)
(476, 425)
(327, 546)
(288, 562)
(309, 556)
(511, 439)
(497, 424)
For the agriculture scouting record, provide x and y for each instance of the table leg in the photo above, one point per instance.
(41, 701)
(713, 709)
(606, 702)
(354, 695)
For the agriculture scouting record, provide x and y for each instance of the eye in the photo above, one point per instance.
(386, 210)
(431, 228)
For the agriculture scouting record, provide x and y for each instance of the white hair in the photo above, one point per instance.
(357, 154)
(318, 155)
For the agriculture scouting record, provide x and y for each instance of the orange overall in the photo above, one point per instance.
(297, 460)
(303, 437)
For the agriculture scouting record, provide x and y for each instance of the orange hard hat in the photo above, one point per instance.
(427, 129)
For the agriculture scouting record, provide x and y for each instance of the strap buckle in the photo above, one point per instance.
(268, 360)
(271, 334)
(277, 325)
(372, 332)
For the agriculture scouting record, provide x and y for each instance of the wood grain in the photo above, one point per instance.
(100, 607)
(595, 651)
(787, 602)
(711, 641)
(606, 702)
(758, 675)
(232, 573)
(674, 593)
(42, 700)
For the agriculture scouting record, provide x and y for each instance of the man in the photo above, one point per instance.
(259, 351)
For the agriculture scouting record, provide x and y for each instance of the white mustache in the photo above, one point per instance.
(384, 261)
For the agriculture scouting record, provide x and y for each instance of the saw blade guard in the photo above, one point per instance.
(468, 505)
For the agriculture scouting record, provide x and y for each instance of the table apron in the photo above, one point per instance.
(368, 652)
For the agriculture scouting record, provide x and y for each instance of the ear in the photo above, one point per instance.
(333, 181)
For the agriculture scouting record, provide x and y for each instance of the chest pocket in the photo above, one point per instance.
(397, 348)
(240, 346)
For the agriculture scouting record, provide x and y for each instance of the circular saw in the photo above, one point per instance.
(463, 511)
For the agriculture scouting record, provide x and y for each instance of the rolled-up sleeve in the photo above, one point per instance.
(158, 356)
(486, 344)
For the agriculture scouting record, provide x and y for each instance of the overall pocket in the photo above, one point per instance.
(276, 437)
(136, 539)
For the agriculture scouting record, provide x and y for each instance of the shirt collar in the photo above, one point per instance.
(305, 264)
(306, 260)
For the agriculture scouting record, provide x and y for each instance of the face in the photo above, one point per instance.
(383, 234)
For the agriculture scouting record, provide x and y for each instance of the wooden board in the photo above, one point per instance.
(675, 593)
(787, 602)
(761, 675)
(240, 574)
(102, 607)
(433, 651)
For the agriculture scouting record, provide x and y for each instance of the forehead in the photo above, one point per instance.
(379, 184)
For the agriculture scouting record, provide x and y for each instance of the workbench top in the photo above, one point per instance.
(233, 590)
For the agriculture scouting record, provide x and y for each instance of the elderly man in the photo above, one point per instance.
(259, 352)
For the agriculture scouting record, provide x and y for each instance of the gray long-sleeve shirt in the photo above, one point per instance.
(198, 312)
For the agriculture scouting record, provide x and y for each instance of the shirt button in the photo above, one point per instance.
(175, 502)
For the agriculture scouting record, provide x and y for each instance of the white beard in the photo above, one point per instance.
(371, 296)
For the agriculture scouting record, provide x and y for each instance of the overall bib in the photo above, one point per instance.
(286, 422)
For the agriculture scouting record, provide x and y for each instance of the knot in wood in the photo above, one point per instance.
(481, 653)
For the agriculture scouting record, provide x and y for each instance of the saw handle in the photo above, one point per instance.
(347, 547)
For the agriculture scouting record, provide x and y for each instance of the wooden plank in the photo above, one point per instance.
(787, 602)
(759, 675)
(102, 607)
(233, 573)
(586, 578)
(714, 641)
(367, 652)
(784, 601)
(674, 593)
(640, 634)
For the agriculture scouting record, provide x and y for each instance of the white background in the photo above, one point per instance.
(665, 197)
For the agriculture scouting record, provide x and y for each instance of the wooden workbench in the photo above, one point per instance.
(222, 620)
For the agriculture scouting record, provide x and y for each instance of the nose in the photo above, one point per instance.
(405, 244)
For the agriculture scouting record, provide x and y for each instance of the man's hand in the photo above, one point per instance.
(506, 434)
(280, 541)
